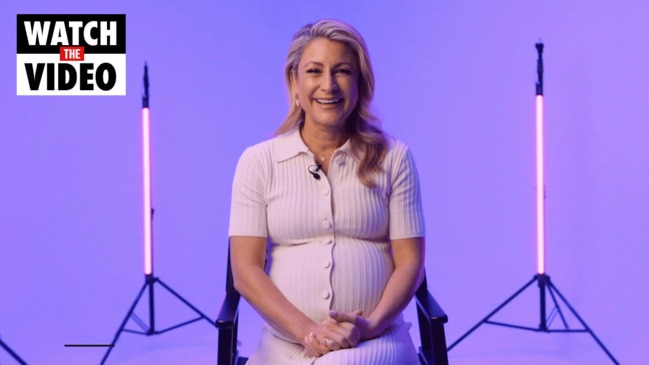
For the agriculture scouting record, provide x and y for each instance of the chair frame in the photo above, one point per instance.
(430, 316)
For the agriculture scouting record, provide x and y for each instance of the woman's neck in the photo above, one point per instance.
(323, 141)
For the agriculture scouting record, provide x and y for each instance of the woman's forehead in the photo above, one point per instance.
(327, 52)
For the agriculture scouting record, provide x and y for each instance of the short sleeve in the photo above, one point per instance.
(248, 205)
(406, 213)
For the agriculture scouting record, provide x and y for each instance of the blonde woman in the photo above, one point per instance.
(326, 226)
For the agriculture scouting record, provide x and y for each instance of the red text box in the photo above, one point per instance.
(71, 54)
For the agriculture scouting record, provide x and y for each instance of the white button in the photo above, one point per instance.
(340, 160)
(326, 264)
(325, 192)
(326, 224)
(325, 294)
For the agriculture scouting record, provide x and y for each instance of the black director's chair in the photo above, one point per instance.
(430, 316)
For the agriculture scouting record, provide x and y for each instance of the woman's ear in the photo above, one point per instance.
(293, 78)
(294, 88)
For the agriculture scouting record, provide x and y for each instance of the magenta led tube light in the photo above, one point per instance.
(146, 163)
(540, 189)
(540, 178)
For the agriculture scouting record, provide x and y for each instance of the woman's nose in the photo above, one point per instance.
(329, 83)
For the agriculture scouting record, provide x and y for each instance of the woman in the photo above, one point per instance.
(333, 208)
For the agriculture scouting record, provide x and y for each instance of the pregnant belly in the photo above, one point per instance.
(344, 275)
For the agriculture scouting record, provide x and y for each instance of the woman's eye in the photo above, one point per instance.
(344, 71)
(312, 71)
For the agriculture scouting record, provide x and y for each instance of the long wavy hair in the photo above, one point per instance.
(368, 141)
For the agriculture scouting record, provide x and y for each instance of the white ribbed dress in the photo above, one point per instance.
(329, 239)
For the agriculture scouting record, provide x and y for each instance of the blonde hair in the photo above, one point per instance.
(368, 141)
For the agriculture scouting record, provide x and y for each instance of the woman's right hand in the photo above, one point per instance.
(329, 336)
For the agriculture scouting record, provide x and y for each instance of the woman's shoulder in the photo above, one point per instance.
(276, 148)
(263, 148)
(396, 148)
(256, 156)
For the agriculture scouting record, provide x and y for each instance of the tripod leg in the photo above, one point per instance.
(557, 306)
(583, 323)
(186, 302)
(12, 353)
(121, 327)
(485, 319)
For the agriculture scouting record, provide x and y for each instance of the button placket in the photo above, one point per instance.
(327, 223)
(337, 168)
(326, 294)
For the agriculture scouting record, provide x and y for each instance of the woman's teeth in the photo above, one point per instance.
(325, 101)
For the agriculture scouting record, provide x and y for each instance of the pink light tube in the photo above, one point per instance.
(146, 163)
(540, 189)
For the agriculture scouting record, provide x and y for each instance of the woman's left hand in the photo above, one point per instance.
(367, 330)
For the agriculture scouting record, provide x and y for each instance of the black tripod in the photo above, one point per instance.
(541, 278)
(149, 279)
(544, 282)
(12, 353)
(150, 329)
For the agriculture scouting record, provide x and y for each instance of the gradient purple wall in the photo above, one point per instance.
(455, 80)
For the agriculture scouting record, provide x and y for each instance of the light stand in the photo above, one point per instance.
(12, 353)
(149, 278)
(541, 278)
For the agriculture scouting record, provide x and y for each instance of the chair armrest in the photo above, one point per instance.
(227, 323)
(229, 310)
(431, 320)
(433, 312)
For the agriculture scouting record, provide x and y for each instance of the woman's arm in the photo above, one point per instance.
(248, 257)
(401, 287)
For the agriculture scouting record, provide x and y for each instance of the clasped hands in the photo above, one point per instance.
(340, 331)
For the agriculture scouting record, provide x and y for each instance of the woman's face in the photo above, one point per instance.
(326, 83)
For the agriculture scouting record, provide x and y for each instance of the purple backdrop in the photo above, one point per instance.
(455, 80)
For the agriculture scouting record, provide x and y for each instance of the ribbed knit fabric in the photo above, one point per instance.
(329, 244)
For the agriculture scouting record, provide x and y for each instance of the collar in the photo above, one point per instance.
(290, 144)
